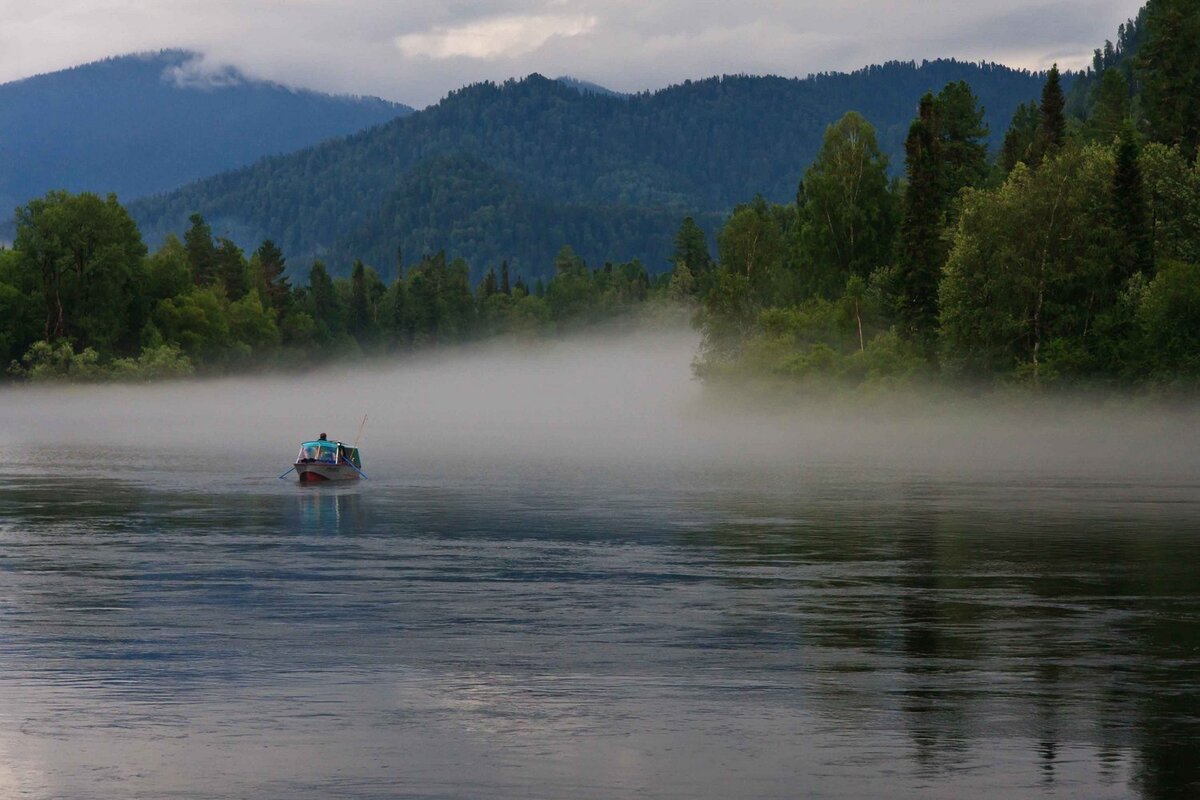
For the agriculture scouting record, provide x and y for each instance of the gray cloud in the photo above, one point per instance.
(417, 50)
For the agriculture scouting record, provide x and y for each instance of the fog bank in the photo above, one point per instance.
(604, 401)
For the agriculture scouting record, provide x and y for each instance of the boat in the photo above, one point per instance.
(327, 460)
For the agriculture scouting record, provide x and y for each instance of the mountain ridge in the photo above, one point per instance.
(698, 148)
(149, 122)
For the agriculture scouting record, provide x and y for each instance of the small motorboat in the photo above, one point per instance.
(327, 460)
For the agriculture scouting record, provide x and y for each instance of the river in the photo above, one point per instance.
(596, 602)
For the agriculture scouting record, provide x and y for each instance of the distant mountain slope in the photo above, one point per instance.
(140, 124)
(697, 148)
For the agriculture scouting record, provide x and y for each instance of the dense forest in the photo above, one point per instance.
(611, 168)
(149, 123)
(1069, 258)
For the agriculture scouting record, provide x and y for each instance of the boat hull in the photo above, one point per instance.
(320, 473)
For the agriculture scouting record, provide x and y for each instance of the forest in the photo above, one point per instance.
(1069, 258)
(512, 171)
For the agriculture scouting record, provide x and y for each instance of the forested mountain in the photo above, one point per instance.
(561, 166)
(140, 124)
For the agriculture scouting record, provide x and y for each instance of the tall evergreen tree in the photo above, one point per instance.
(1052, 130)
(1110, 107)
(964, 137)
(274, 284)
(921, 250)
(504, 284)
(1169, 69)
(201, 252)
(1131, 211)
(1021, 138)
(359, 321)
(231, 269)
(324, 298)
(691, 248)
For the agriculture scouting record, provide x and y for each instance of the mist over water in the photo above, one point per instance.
(622, 400)
(576, 573)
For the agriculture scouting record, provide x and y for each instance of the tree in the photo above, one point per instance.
(691, 248)
(359, 323)
(272, 283)
(1131, 212)
(1168, 66)
(849, 211)
(1020, 140)
(1052, 128)
(1110, 108)
(921, 252)
(963, 136)
(323, 296)
(232, 270)
(504, 284)
(1021, 288)
(202, 254)
(82, 254)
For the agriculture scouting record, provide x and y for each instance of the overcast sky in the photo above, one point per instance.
(415, 51)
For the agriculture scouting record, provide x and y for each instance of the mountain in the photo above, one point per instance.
(141, 124)
(539, 164)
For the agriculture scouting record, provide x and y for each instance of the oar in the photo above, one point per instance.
(350, 464)
(284, 475)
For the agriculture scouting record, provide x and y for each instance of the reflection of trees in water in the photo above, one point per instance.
(1033, 626)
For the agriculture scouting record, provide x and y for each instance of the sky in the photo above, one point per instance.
(415, 51)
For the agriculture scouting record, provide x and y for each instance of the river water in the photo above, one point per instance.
(618, 616)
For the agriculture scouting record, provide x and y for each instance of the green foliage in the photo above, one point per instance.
(82, 256)
(1168, 319)
(1169, 70)
(848, 207)
(512, 171)
(1026, 266)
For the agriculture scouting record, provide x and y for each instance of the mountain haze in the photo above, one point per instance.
(477, 173)
(141, 124)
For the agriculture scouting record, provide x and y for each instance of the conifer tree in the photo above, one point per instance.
(1110, 107)
(1169, 70)
(1020, 139)
(1131, 211)
(964, 136)
(201, 252)
(231, 269)
(324, 297)
(921, 250)
(273, 283)
(360, 313)
(1052, 130)
(505, 288)
(691, 248)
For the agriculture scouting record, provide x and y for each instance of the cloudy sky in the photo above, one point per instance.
(415, 51)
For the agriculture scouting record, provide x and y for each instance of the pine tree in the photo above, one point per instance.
(231, 270)
(201, 252)
(1052, 129)
(1169, 69)
(487, 287)
(1020, 139)
(1110, 107)
(504, 285)
(1131, 211)
(276, 290)
(921, 250)
(691, 248)
(324, 298)
(964, 137)
(360, 312)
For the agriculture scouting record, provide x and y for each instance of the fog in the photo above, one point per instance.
(615, 401)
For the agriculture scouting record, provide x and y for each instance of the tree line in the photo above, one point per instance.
(1071, 258)
(82, 298)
